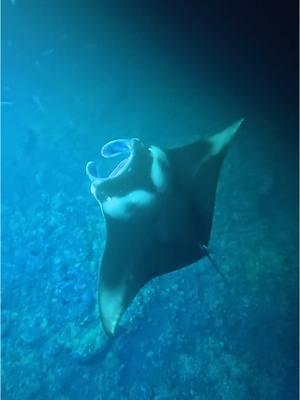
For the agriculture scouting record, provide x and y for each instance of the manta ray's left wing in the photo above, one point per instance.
(122, 273)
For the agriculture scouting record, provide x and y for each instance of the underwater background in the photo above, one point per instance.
(78, 74)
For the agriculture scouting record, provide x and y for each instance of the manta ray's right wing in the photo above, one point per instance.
(197, 168)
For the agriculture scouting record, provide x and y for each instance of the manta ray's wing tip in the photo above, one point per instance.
(240, 121)
(111, 309)
(109, 330)
(235, 126)
(221, 140)
(107, 325)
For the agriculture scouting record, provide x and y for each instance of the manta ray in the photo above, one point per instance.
(158, 207)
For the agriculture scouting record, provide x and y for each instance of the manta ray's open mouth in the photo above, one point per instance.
(113, 148)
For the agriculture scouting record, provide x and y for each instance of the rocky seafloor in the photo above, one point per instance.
(187, 335)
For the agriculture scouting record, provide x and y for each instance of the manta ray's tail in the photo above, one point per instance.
(206, 252)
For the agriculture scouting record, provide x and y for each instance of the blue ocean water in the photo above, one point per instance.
(76, 75)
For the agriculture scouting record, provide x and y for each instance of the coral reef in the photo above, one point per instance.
(187, 335)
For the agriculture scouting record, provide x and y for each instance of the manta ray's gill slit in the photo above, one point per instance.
(124, 207)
